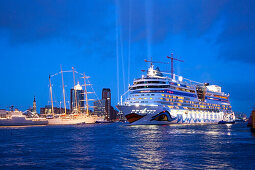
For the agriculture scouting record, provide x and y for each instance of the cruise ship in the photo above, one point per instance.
(165, 98)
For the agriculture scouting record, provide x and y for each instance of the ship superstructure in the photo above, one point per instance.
(159, 99)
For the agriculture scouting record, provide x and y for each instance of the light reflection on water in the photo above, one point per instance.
(117, 146)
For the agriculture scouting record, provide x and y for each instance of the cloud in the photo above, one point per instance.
(143, 21)
(237, 39)
(164, 18)
(28, 21)
(158, 20)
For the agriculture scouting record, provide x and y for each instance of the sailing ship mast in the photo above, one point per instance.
(75, 97)
(86, 94)
(52, 108)
(63, 89)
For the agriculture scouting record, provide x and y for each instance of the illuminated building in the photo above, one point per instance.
(34, 106)
(106, 95)
(99, 107)
(47, 110)
(77, 99)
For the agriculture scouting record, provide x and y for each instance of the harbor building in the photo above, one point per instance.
(106, 95)
(110, 113)
(99, 107)
(77, 99)
(47, 110)
(34, 106)
(113, 114)
(2, 113)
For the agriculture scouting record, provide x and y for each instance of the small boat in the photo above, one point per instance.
(226, 122)
(228, 119)
(103, 120)
(16, 118)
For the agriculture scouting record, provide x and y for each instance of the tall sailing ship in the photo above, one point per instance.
(80, 114)
(160, 99)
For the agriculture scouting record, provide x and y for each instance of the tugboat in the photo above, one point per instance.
(16, 118)
(228, 119)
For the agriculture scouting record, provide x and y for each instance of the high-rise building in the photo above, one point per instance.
(34, 106)
(77, 99)
(106, 95)
(99, 107)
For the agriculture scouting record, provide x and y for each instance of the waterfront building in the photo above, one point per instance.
(47, 110)
(113, 114)
(34, 106)
(77, 99)
(2, 113)
(99, 107)
(109, 112)
(106, 95)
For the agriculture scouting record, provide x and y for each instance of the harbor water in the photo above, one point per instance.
(118, 146)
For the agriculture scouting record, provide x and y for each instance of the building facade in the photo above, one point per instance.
(99, 107)
(3, 113)
(106, 95)
(77, 99)
(110, 112)
(34, 106)
(47, 110)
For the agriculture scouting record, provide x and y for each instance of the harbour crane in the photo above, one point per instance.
(150, 61)
(172, 63)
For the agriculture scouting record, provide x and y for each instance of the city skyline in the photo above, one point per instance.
(116, 36)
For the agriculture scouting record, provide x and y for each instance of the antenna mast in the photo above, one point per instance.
(63, 89)
(172, 63)
(52, 108)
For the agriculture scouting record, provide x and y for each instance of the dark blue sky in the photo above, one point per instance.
(216, 39)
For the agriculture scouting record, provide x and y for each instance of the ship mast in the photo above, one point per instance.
(172, 63)
(52, 108)
(63, 89)
(75, 100)
(86, 94)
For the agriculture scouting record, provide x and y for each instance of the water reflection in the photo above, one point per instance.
(114, 146)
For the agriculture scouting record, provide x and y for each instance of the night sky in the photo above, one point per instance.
(109, 40)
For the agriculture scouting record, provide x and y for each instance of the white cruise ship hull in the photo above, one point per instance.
(22, 121)
(158, 115)
(159, 99)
